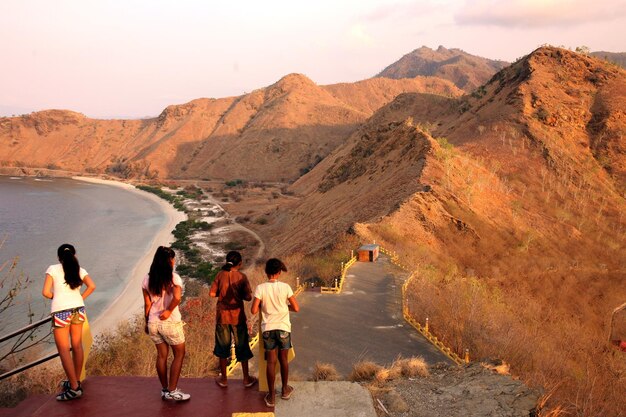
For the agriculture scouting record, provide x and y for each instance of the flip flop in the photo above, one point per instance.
(288, 394)
(268, 400)
(221, 383)
(251, 382)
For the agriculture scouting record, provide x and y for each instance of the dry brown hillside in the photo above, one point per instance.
(466, 71)
(618, 58)
(272, 134)
(510, 206)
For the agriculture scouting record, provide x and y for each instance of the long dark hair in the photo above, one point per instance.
(233, 258)
(161, 270)
(71, 268)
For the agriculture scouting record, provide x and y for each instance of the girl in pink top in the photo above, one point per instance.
(162, 291)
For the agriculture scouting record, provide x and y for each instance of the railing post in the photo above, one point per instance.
(351, 253)
(467, 357)
(426, 326)
(297, 282)
(336, 283)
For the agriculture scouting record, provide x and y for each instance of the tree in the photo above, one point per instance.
(584, 50)
(12, 284)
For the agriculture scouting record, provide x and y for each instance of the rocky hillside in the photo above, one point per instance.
(509, 203)
(618, 58)
(275, 133)
(466, 71)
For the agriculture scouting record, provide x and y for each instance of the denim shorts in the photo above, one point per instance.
(64, 318)
(273, 339)
(170, 332)
(225, 334)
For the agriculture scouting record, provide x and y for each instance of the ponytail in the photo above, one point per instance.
(71, 268)
(233, 258)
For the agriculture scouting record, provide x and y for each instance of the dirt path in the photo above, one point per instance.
(364, 322)
(232, 225)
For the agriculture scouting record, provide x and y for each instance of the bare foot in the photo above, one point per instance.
(287, 391)
(250, 381)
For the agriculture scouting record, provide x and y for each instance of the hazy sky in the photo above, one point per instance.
(132, 58)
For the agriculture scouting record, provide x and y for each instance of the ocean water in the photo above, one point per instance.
(110, 227)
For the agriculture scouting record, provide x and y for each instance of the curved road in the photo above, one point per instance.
(363, 322)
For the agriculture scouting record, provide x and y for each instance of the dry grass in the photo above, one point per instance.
(39, 380)
(364, 371)
(385, 375)
(325, 372)
(411, 367)
(504, 272)
(127, 350)
(544, 346)
(401, 368)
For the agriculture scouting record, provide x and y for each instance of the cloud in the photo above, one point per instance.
(538, 13)
(401, 10)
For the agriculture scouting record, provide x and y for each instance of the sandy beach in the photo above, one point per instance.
(130, 301)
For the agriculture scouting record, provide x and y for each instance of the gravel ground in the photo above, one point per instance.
(451, 391)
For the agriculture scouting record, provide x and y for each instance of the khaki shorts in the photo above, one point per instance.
(170, 332)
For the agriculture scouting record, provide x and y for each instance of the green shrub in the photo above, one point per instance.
(234, 183)
(234, 245)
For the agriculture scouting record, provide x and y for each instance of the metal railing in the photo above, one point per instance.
(31, 364)
(336, 289)
(423, 329)
(87, 341)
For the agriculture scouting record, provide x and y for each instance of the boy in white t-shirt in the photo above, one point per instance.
(275, 299)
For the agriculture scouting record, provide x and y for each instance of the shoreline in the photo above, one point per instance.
(130, 301)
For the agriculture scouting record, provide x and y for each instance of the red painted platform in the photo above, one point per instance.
(140, 396)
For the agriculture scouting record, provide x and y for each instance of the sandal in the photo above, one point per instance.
(251, 382)
(287, 395)
(268, 400)
(221, 383)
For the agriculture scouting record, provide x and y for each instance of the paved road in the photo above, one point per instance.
(364, 322)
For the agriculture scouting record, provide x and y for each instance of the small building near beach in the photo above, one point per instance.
(368, 253)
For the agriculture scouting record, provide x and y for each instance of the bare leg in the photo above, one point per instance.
(62, 340)
(161, 363)
(270, 356)
(177, 365)
(223, 364)
(78, 355)
(284, 369)
(246, 373)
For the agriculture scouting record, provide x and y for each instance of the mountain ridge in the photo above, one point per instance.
(508, 206)
(293, 119)
(466, 71)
